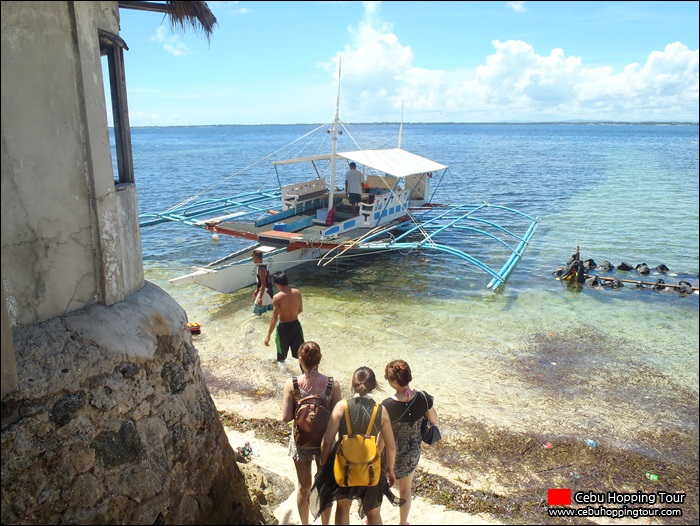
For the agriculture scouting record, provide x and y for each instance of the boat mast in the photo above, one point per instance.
(334, 144)
(401, 125)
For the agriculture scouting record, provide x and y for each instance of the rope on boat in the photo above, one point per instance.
(242, 170)
(576, 273)
(348, 246)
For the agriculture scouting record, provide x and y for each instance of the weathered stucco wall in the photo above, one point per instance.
(129, 236)
(113, 424)
(68, 239)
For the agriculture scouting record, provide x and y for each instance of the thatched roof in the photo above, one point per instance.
(183, 15)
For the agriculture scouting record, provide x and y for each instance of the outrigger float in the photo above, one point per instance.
(311, 220)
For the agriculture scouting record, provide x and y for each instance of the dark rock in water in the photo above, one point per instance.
(607, 266)
(613, 283)
(639, 285)
(624, 266)
(642, 268)
(659, 285)
(589, 263)
(685, 288)
(662, 268)
(593, 282)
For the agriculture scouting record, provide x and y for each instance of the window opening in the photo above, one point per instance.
(112, 49)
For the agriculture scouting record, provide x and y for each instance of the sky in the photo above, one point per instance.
(278, 63)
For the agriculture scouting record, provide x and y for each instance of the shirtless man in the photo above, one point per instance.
(286, 307)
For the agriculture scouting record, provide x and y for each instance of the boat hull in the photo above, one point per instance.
(238, 274)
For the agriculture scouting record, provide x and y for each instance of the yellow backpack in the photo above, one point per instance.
(357, 462)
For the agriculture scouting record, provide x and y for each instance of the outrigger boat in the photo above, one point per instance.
(312, 221)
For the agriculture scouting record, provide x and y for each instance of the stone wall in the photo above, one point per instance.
(113, 424)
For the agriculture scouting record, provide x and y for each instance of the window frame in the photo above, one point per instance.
(112, 46)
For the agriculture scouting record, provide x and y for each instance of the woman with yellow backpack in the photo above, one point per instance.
(359, 466)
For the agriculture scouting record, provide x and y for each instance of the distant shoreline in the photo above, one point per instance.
(576, 123)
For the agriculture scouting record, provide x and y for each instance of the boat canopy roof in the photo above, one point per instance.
(394, 161)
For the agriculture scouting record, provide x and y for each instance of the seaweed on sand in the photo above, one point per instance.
(521, 468)
(518, 470)
(267, 429)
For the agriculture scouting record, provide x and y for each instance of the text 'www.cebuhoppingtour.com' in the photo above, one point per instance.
(594, 504)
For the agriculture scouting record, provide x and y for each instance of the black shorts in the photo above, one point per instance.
(289, 336)
(355, 198)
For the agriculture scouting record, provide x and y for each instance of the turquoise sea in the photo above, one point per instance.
(534, 357)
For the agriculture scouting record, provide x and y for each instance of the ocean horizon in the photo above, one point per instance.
(574, 122)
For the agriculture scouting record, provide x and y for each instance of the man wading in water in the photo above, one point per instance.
(286, 306)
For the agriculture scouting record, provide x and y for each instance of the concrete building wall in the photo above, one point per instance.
(69, 238)
(9, 367)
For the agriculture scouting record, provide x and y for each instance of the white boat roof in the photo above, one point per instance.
(394, 161)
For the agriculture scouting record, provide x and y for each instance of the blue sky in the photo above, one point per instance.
(277, 63)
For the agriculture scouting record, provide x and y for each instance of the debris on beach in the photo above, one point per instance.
(267, 429)
(245, 453)
(194, 327)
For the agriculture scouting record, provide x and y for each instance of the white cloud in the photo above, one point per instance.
(518, 7)
(140, 118)
(374, 65)
(234, 8)
(515, 83)
(171, 43)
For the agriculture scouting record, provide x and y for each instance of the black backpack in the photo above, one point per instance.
(311, 416)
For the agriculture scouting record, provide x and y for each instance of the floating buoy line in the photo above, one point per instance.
(576, 272)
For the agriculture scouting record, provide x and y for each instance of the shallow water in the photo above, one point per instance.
(535, 357)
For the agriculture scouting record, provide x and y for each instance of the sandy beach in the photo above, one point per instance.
(497, 474)
(274, 457)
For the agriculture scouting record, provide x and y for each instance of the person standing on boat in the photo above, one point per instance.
(287, 304)
(406, 408)
(262, 297)
(353, 186)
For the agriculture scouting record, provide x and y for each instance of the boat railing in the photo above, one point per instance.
(300, 194)
(386, 206)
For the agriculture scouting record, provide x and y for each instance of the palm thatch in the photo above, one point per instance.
(183, 15)
(196, 15)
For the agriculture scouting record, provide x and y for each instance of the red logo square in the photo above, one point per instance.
(559, 496)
